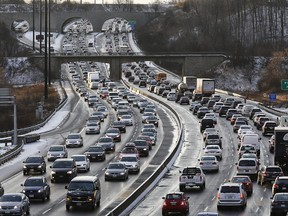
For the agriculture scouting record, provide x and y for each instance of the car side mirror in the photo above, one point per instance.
(21, 185)
(236, 163)
(50, 166)
(66, 187)
(163, 197)
(198, 159)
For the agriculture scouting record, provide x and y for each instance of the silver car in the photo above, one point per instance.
(116, 171)
(231, 194)
(74, 140)
(92, 128)
(57, 151)
(82, 162)
(127, 120)
(131, 162)
(14, 204)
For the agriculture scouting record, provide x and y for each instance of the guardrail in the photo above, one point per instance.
(125, 207)
(28, 138)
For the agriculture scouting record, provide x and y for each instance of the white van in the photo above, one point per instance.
(252, 139)
(283, 121)
(247, 166)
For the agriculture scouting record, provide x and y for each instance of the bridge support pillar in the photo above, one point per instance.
(115, 69)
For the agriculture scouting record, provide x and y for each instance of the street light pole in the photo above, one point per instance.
(33, 25)
(49, 41)
(46, 56)
(40, 19)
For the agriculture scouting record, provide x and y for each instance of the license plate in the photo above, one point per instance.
(60, 176)
(31, 195)
(283, 188)
(114, 176)
(78, 204)
(173, 203)
(191, 184)
(93, 157)
(7, 212)
(32, 170)
(246, 170)
(282, 205)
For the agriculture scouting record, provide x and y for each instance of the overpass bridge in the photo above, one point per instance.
(192, 64)
(97, 14)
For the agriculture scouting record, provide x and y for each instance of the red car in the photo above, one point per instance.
(246, 182)
(176, 202)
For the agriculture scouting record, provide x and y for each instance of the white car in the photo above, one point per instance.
(103, 110)
(212, 116)
(74, 140)
(127, 119)
(217, 106)
(131, 162)
(145, 115)
(209, 163)
(209, 131)
(213, 150)
(247, 166)
(82, 162)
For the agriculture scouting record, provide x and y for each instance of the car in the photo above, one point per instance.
(96, 153)
(92, 128)
(279, 204)
(268, 127)
(269, 173)
(209, 131)
(197, 97)
(193, 104)
(231, 194)
(234, 117)
(206, 123)
(204, 101)
(106, 143)
(35, 163)
(184, 100)
(57, 151)
(142, 83)
(116, 171)
(127, 120)
(103, 109)
(1, 190)
(148, 139)
(202, 111)
(74, 140)
(129, 150)
(99, 115)
(131, 162)
(120, 125)
(261, 121)
(246, 109)
(237, 125)
(192, 177)
(253, 111)
(14, 204)
(63, 169)
(246, 148)
(152, 120)
(245, 181)
(82, 162)
(212, 116)
(257, 116)
(280, 185)
(151, 135)
(83, 191)
(146, 115)
(247, 166)
(223, 110)
(210, 104)
(142, 147)
(213, 139)
(36, 187)
(209, 163)
(171, 96)
(114, 133)
(176, 202)
(243, 127)
(216, 107)
(213, 150)
(272, 143)
(251, 155)
(230, 112)
(196, 108)
(152, 130)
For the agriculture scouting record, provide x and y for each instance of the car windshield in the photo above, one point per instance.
(212, 147)
(33, 182)
(245, 148)
(78, 158)
(281, 197)
(116, 166)
(230, 189)
(213, 136)
(247, 163)
(62, 164)
(80, 186)
(273, 169)
(113, 130)
(239, 179)
(105, 139)
(140, 143)
(10, 198)
(34, 160)
(56, 148)
(129, 159)
(129, 150)
(73, 136)
(92, 124)
(173, 196)
(95, 149)
(208, 158)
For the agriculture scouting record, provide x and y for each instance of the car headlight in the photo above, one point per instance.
(23, 191)
(24, 167)
(61, 155)
(122, 173)
(107, 173)
(49, 155)
(17, 206)
(144, 149)
(40, 166)
(69, 172)
(52, 172)
(40, 190)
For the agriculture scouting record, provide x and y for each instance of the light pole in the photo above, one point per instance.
(46, 56)
(33, 25)
(40, 19)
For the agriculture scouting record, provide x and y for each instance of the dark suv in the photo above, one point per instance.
(223, 110)
(280, 185)
(34, 163)
(269, 173)
(206, 123)
(36, 187)
(63, 169)
(83, 191)
(268, 127)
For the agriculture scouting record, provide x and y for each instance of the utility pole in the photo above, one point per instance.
(46, 56)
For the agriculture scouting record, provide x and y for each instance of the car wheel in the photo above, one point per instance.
(48, 196)
(182, 188)
(24, 173)
(67, 207)
(43, 198)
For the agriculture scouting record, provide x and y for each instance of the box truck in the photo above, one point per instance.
(205, 86)
(93, 77)
(191, 82)
(281, 146)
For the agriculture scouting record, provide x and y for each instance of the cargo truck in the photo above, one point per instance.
(281, 147)
(93, 77)
(191, 82)
(205, 86)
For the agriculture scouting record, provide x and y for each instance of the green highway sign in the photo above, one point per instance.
(284, 84)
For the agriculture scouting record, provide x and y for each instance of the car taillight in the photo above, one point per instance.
(281, 174)
(264, 174)
(276, 186)
(214, 163)
(165, 203)
(241, 196)
(218, 195)
(274, 203)
(182, 203)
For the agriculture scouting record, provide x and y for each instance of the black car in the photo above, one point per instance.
(120, 125)
(184, 100)
(197, 97)
(178, 96)
(253, 111)
(268, 127)
(280, 185)
(279, 204)
(36, 187)
(206, 123)
(95, 153)
(142, 83)
(202, 111)
(223, 110)
(63, 169)
(34, 163)
(196, 108)
(142, 147)
(269, 173)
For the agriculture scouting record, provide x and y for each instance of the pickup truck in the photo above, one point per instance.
(191, 177)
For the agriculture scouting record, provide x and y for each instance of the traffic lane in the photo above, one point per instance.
(114, 192)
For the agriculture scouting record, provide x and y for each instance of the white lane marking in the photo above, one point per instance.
(261, 199)
(206, 209)
(46, 211)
